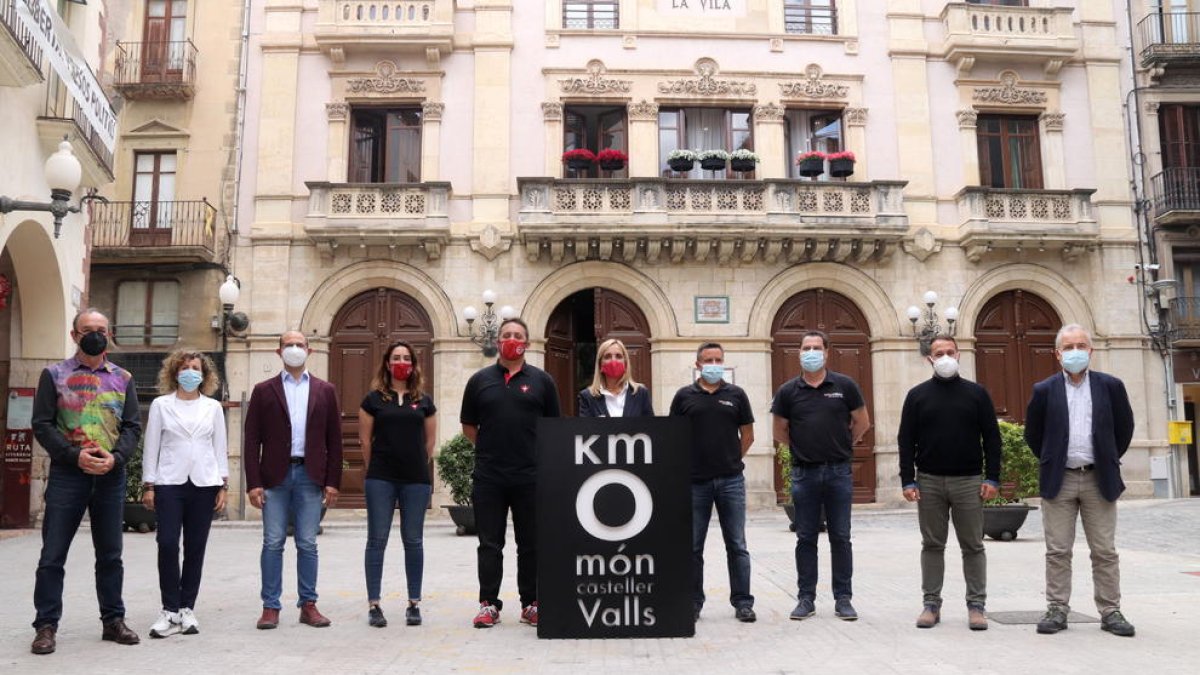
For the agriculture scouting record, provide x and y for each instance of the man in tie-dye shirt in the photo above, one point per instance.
(85, 415)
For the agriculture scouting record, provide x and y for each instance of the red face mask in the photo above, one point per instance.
(511, 350)
(401, 370)
(613, 369)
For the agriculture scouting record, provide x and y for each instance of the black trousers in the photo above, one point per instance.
(492, 503)
(189, 509)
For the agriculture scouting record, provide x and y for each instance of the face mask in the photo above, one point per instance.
(511, 350)
(93, 344)
(613, 370)
(189, 379)
(712, 372)
(294, 356)
(1075, 361)
(946, 367)
(401, 370)
(812, 361)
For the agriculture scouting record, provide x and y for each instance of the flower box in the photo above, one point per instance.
(841, 164)
(812, 164)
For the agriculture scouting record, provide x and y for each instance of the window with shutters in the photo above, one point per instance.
(595, 128)
(814, 17)
(591, 14)
(385, 145)
(702, 129)
(164, 34)
(147, 313)
(1009, 152)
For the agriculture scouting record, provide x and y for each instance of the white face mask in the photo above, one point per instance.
(293, 356)
(946, 367)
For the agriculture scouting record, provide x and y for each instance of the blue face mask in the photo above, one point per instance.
(189, 380)
(712, 372)
(1075, 361)
(812, 361)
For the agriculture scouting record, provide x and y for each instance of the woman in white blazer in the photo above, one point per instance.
(185, 472)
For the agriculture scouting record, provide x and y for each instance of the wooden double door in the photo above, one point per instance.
(361, 332)
(1014, 349)
(849, 353)
(575, 329)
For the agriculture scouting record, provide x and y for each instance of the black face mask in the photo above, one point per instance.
(93, 344)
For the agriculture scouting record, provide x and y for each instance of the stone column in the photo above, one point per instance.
(336, 168)
(644, 161)
(552, 114)
(769, 141)
(854, 121)
(967, 121)
(431, 140)
(1054, 161)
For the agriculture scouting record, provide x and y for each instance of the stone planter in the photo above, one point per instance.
(463, 516)
(138, 518)
(1002, 521)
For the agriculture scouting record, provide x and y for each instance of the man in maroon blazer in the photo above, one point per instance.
(293, 456)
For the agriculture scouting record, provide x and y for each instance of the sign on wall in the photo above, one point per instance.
(614, 528)
(17, 466)
(703, 8)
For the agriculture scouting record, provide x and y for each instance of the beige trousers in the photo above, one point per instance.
(1080, 496)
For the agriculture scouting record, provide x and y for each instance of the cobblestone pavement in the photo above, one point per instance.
(1158, 540)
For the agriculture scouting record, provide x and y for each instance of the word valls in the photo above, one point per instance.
(585, 506)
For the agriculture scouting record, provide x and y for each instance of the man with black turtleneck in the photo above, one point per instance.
(948, 429)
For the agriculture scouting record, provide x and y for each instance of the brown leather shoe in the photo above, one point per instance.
(269, 619)
(311, 616)
(930, 617)
(44, 642)
(977, 617)
(116, 631)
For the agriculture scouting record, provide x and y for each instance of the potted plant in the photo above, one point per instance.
(783, 460)
(579, 159)
(681, 160)
(811, 163)
(712, 160)
(455, 463)
(611, 159)
(1005, 514)
(137, 517)
(743, 160)
(841, 164)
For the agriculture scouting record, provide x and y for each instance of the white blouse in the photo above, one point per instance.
(615, 403)
(185, 440)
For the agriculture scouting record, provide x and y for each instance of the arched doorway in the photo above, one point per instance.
(361, 330)
(578, 324)
(1014, 349)
(849, 353)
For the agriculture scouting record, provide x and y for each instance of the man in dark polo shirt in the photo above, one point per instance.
(821, 415)
(500, 408)
(947, 428)
(722, 433)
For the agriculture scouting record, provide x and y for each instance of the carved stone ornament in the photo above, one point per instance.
(813, 86)
(1008, 92)
(707, 84)
(386, 82)
(967, 118)
(855, 117)
(552, 111)
(1053, 120)
(336, 111)
(768, 112)
(595, 83)
(643, 110)
(431, 111)
(1151, 107)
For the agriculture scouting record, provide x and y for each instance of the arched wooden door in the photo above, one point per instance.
(362, 330)
(1014, 349)
(578, 325)
(849, 354)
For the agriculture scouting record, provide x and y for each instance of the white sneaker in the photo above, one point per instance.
(187, 621)
(167, 624)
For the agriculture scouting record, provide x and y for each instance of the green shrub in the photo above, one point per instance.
(455, 463)
(1018, 465)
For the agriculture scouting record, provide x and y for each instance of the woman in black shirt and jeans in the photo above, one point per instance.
(397, 426)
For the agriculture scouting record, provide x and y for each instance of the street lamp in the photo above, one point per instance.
(63, 173)
(231, 321)
(930, 328)
(488, 332)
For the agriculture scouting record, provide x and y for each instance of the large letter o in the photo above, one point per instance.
(585, 507)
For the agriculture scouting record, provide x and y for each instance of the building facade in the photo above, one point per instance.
(403, 157)
(50, 54)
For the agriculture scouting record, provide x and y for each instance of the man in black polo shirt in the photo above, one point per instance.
(500, 408)
(722, 433)
(947, 428)
(821, 415)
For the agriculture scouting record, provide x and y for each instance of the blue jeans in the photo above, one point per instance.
(382, 498)
(188, 509)
(69, 492)
(729, 495)
(299, 497)
(828, 486)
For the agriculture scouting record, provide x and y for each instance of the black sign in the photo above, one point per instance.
(614, 516)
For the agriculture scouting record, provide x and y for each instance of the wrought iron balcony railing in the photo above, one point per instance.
(20, 55)
(1176, 194)
(138, 224)
(1184, 315)
(1169, 37)
(156, 70)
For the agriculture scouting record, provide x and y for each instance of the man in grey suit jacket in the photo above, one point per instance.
(1079, 424)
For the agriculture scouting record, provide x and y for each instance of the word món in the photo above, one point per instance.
(620, 564)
